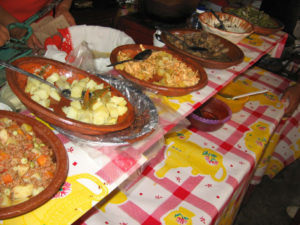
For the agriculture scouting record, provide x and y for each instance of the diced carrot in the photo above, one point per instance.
(28, 136)
(7, 178)
(42, 159)
(20, 132)
(86, 99)
(3, 156)
(49, 174)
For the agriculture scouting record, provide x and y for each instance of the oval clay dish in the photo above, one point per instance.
(50, 139)
(163, 90)
(233, 57)
(259, 29)
(57, 117)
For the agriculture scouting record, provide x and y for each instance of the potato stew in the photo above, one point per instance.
(93, 102)
(27, 165)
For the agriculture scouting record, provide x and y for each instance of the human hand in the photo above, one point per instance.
(292, 94)
(62, 10)
(33, 42)
(4, 35)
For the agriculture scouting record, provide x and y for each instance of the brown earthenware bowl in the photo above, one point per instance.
(50, 139)
(259, 29)
(163, 90)
(233, 57)
(57, 117)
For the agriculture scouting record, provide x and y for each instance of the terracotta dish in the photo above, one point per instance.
(163, 90)
(50, 139)
(236, 28)
(57, 117)
(232, 57)
(263, 30)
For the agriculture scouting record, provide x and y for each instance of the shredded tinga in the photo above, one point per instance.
(161, 68)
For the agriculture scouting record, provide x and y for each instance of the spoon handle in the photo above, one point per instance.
(249, 94)
(14, 68)
(120, 62)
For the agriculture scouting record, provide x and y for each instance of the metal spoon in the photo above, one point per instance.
(140, 56)
(221, 26)
(193, 48)
(243, 95)
(65, 92)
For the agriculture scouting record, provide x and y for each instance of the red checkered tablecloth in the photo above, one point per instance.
(96, 172)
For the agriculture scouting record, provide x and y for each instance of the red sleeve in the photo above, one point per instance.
(23, 9)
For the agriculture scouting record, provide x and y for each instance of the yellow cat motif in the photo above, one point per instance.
(60, 209)
(183, 153)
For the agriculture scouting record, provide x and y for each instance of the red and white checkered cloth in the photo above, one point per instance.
(199, 198)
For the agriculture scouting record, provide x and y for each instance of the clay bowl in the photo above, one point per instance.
(57, 117)
(266, 30)
(210, 116)
(170, 11)
(233, 57)
(50, 139)
(258, 29)
(163, 90)
(236, 28)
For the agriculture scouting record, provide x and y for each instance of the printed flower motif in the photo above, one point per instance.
(64, 190)
(181, 219)
(210, 158)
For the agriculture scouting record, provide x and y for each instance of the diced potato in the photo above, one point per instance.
(97, 105)
(91, 85)
(62, 84)
(76, 91)
(112, 108)
(76, 105)
(22, 191)
(36, 176)
(36, 191)
(45, 87)
(3, 136)
(72, 113)
(99, 86)
(111, 121)
(42, 93)
(98, 120)
(84, 116)
(118, 100)
(22, 170)
(45, 102)
(53, 77)
(36, 98)
(101, 112)
(5, 201)
(121, 110)
(54, 94)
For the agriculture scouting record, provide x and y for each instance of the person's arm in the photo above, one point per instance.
(292, 94)
(64, 9)
(4, 34)
(6, 19)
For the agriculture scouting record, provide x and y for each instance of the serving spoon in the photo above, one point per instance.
(63, 92)
(243, 95)
(138, 57)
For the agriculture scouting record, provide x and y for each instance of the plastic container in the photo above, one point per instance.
(210, 116)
